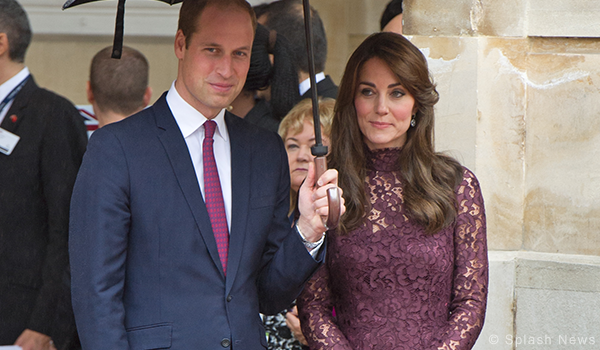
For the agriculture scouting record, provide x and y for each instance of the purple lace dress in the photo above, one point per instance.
(392, 285)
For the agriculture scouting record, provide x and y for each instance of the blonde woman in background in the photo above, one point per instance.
(298, 134)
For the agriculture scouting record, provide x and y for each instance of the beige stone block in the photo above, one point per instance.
(563, 152)
(499, 315)
(465, 18)
(501, 137)
(563, 18)
(427, 17)
(541, 301)
(499, 18)
(453, 66)
(557, 304)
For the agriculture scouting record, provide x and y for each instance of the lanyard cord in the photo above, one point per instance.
(13, 93)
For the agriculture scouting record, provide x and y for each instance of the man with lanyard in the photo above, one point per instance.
(42, 141)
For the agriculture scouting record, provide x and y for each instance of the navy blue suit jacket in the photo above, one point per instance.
(145, 268)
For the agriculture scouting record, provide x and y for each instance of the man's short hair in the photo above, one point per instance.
(119, 85)
(286, 17)
(393, 9)
(190, 11)
(15, 24)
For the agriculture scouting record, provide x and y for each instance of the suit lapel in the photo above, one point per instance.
(240, 189)
(16, 112)
(179, 156)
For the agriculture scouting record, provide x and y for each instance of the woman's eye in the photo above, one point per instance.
(397, 94)
(292, 146)
(366, 92)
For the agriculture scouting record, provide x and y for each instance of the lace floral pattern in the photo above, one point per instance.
(392, 285)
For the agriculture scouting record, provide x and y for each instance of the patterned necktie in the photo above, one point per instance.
(213, 196)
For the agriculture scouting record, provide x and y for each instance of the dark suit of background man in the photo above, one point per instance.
(36, 180)
(286, 17)
(148, 271)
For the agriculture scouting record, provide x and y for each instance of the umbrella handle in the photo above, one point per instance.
(333, 195)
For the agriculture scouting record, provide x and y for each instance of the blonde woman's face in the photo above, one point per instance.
(298, 151)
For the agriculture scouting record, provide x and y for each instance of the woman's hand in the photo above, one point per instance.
(293, 323)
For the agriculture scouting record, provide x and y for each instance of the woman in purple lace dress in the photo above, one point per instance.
(408, 268)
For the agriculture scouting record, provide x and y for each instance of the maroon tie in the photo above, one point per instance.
(213, 196)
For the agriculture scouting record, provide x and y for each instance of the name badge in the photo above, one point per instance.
(8, 141)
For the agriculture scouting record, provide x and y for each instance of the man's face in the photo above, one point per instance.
(213, 68)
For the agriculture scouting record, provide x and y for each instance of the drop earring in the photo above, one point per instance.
(413, 122)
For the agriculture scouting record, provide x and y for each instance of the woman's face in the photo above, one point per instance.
(298, 151)
(384, 107)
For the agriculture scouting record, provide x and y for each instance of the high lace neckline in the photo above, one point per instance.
(384, 159)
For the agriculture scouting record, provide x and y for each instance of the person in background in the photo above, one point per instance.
(391, 18)
(42, 142)
(179, 230)
(408, 267)
(298, 133)
(271, 88)
(286, 17)
(118, 88)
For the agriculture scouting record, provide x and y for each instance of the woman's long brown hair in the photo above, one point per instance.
(428, 178)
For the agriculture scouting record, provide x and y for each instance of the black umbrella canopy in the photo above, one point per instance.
(118, 40)
(71, 3)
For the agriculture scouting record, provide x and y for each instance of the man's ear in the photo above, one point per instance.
(4, 46)
(147, 96)
(180, 45)
(90, 93)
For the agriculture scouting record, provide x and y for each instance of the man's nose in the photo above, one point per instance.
(225, 66)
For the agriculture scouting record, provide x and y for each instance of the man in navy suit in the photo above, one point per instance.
(149, 270)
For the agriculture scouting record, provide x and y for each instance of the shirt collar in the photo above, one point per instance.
(189, 119)
(305, 85)
(12, 83)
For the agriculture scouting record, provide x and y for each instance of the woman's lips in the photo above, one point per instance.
(380, 125)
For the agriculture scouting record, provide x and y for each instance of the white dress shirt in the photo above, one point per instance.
(8, 86)
(305, 85)
(191, 124)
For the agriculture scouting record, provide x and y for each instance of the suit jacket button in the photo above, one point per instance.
(229, 297)
(225, 343)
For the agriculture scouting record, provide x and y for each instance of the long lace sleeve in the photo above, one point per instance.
(470, 280)
(315, 306)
